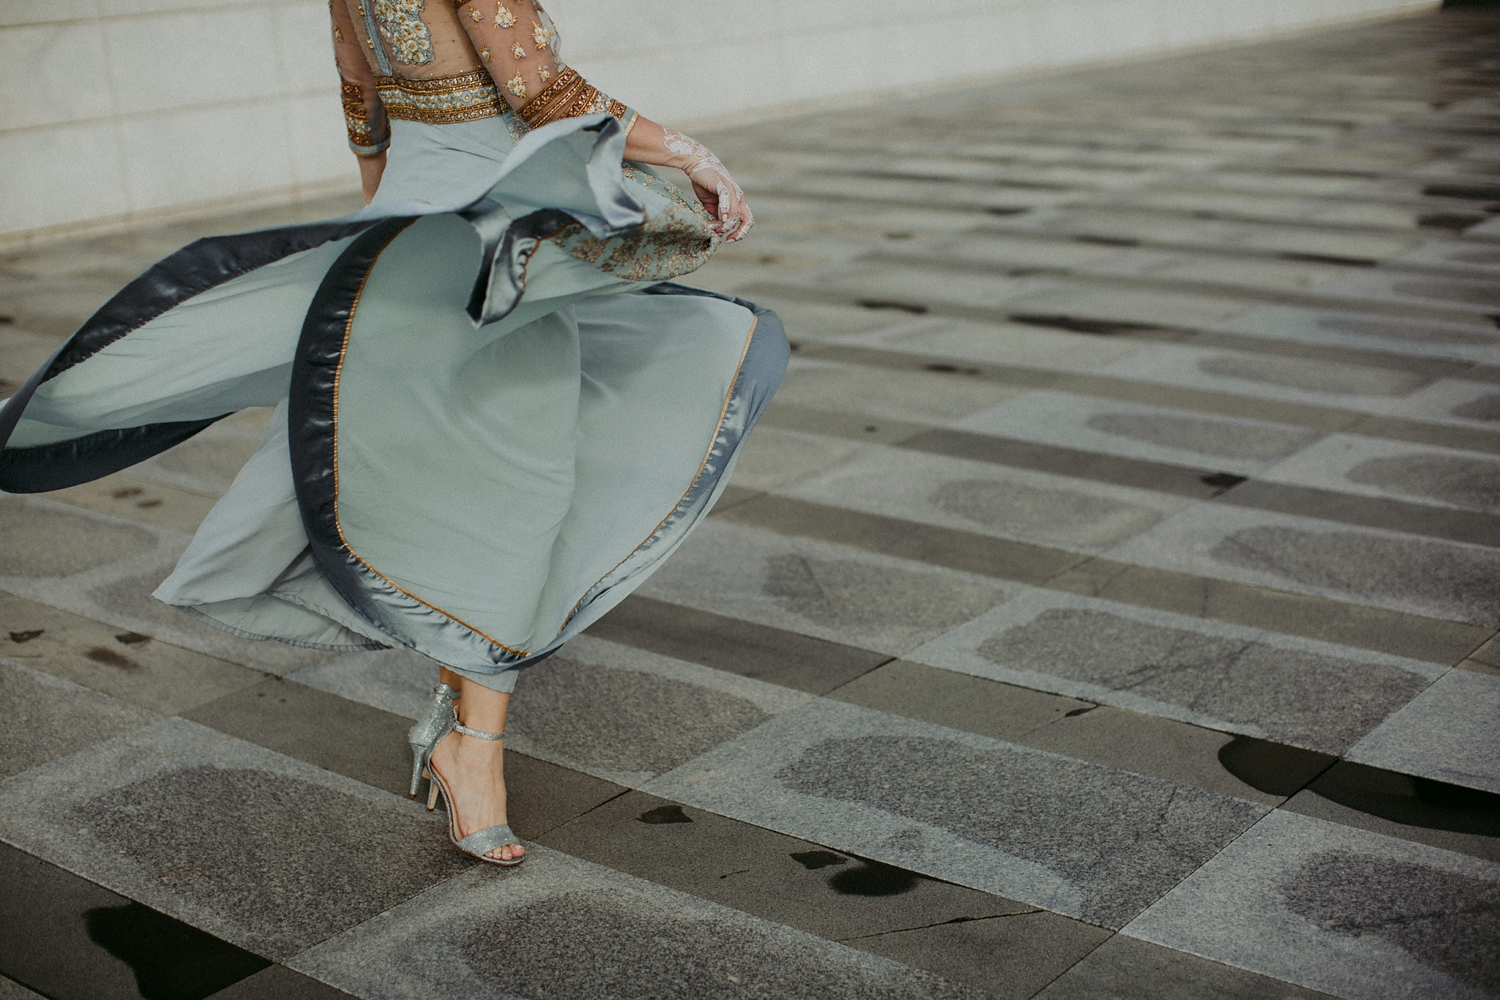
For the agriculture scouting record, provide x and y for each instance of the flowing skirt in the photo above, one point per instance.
(495, 416)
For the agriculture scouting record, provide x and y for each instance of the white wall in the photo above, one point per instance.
(117, 110)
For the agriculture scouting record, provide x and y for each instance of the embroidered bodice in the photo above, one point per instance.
(452, 60)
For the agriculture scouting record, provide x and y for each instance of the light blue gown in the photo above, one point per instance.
(493, 418)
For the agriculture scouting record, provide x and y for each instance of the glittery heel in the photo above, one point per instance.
(424, 735)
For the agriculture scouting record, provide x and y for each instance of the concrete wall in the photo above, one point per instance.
(117, 110)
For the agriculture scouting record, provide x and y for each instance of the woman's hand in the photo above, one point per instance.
(718, 192)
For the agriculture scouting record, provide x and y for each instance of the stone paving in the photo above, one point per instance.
(1107, 606)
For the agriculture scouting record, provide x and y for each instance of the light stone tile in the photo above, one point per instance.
(918, 285)
(1077, 515)
(492, 934)
(1269, 376)
(1153, 433)
(1416, 337)
(19, 12)
(1376, 467)
(1456, 258)
(84, 179)
(1333, 908)
(302, 45)
(1449, 733)
(54, 72)
(832, 592)
(775, 458)
(1247, 273)
(47, 717)
(1385, 569)
(1025, 824)
(1172, 309)
(892, 393)
(317, 141)
(119, 8)
(193, 58)
(399, 681)
(1442, 293)
(198, 155)
(229, 837)
(1240, 680)
(1454, 401)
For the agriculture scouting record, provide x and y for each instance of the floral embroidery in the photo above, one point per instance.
(516, 86)
(517, 51)
(543, 73)
(484, 52)
(541, 35)
(503, 17)
(404, 31)
(338, 36)
(474, 14)
(445, 100)
(671, 243)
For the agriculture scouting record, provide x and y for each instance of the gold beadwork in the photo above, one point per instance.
(517, 86)
(442, 101)
(503, 17)
(517, 51)
(405, 33)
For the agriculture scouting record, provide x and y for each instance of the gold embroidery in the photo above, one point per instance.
(503, 17)
(543, 73)
(484, 52)
(404, 31)
(338, 36)
(518, 52)
(443, 101)
(541, 35)
(474, 14)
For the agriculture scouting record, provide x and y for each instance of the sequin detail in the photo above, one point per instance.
(503, 17)
(466, 97)
(403, 30)
(670, 243)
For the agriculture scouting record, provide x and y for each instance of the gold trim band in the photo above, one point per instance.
(444, 100)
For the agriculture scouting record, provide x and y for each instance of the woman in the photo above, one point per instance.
(493, 417)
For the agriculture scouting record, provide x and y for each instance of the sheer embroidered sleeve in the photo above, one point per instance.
(518, 43)
(364, 114)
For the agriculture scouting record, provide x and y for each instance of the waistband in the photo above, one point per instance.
(444, 100)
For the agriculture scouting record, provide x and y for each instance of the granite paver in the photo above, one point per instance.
(1120, 551)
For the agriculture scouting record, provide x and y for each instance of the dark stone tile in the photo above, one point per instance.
(1311, 699)
(369, 745)
(69, 939)
(1010, 957)
(959, 701)
(1422, 432)
(959, 550)
(257, 848)
(784, 879)
(280, 983)
(1452, 817)
(1313, 376)
(1313, 617)
(852, 594)
(131, 666)
(564, 929)
(42, 541)
(855, 426)
(1452, 581)
(1043, 513)
(47, 718)
(1125, 968)
(1141, 473)
(1448, 478)
(761, 652)
(612, 719)
(1371, 512)
(1146, 744)
(1485, 659)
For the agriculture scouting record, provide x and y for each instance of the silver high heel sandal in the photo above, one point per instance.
(441, 720)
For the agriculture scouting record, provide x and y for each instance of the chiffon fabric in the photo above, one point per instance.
(494, 414)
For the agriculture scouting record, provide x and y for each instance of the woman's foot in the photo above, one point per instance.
(473, 770)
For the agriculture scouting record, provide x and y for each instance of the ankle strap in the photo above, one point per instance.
(459, 727)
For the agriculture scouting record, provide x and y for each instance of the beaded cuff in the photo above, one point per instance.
(357, 120)
(568, 96)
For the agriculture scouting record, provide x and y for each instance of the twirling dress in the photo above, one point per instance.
(493, 417)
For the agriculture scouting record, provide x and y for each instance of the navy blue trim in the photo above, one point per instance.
(194, 269)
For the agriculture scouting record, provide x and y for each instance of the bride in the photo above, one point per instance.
(495, 414)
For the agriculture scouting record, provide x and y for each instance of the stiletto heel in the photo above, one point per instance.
(441, 720)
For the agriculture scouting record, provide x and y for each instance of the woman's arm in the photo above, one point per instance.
(364, 114)
(520, 52)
